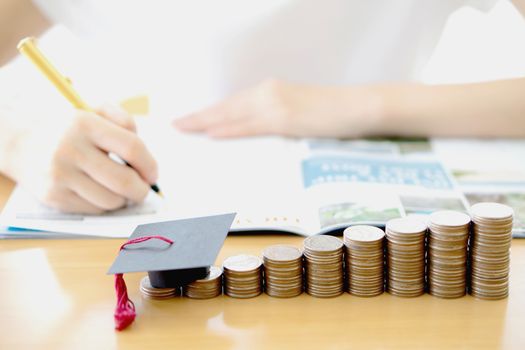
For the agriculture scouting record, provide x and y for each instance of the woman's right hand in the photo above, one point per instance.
(68, 167)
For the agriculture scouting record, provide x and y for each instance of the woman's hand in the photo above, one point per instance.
(68, 167)
(277, 107)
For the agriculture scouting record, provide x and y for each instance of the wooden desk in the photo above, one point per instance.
(6, 186)
(55, 294)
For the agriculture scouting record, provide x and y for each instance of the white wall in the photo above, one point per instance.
(478, 46)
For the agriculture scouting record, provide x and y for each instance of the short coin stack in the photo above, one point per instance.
(151, 292)
(242, 276)
(364, 260)
(447, 253)
(206, 288)
(405, 257)
(490, 250)
(324, 266)
(283, 271)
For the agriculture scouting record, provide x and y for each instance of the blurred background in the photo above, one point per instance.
(475, 46)
(478, 46)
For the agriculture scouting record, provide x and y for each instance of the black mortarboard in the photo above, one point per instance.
(174, 253)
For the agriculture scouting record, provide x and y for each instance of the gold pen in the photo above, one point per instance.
(28, 48)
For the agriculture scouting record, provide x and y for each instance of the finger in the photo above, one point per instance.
(118, 116)
(95, 193)
(127, 145)
(118, 178)
(225, 112)
(69, 202)
(240, 129)
(201, 121)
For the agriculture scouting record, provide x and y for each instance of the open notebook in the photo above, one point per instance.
(303, 187)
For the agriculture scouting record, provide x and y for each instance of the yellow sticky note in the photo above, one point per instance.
(136, 105)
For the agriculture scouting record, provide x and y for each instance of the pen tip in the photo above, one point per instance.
(157, 190)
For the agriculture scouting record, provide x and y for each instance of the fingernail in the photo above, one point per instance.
(184, 123)
(179, 121)
(216, 134)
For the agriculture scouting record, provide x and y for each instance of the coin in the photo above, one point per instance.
(491, 212)
(364, 260)
(322, 244)
(242, 263)
(406, 225)
(405, 258)
(323, 259)
(148, 291)
(243, 276)
(282, 253)
(447, 253)
(445, 219)
(206, 288)
(490, 250)
(283, 271)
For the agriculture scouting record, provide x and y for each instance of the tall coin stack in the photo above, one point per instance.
(150, 292)
(206, 288)
(447, 253)
(405, 257)
(324, 266)
(490, 250)
(242, 276)
(364, 260)
(283, 271)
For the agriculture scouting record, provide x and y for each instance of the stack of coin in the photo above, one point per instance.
(206, 288)
(283, 271)
(364, 260)
(405, 257)
(490, 250)
(324, 266)
(151, 292)
(242, 276)
(447, 253)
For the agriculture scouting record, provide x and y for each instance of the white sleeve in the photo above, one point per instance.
(25, 94)
(482, 5)
(79, 16)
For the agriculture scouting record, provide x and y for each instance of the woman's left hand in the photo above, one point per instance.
(279, 108)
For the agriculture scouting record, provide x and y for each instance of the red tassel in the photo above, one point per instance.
(125, 310)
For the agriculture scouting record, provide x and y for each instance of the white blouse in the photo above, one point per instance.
(196, 52)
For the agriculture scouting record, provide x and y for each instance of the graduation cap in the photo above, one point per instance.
(174, 253)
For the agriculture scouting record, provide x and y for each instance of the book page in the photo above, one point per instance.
(370, 182)
(488, 171)
(259, 178)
